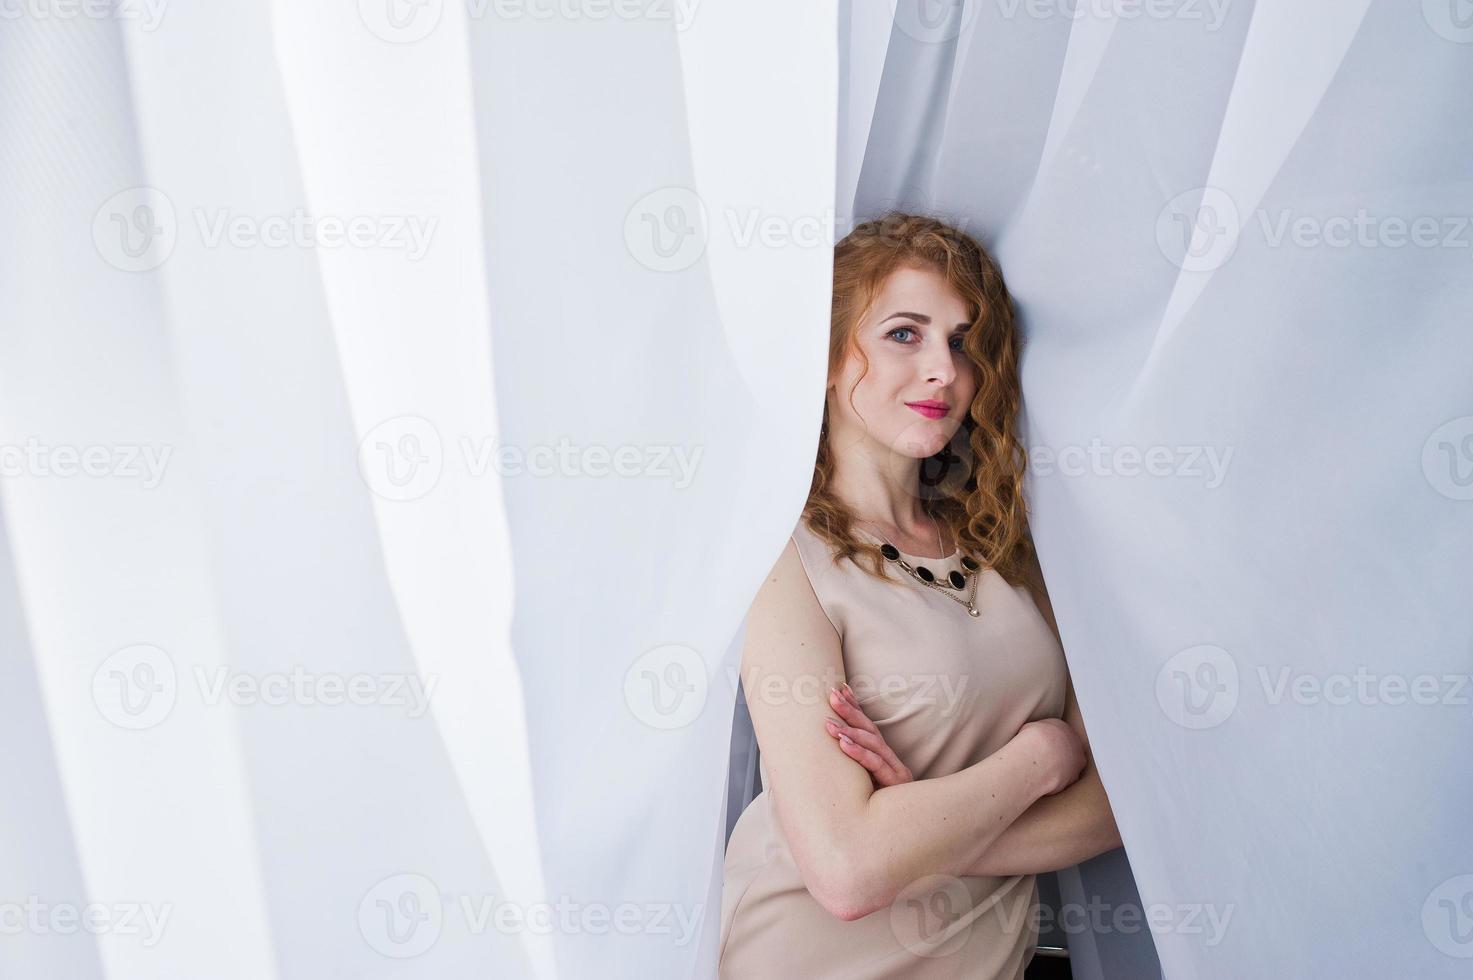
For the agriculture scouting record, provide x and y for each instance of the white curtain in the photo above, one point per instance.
(275, 517)
(400, 403)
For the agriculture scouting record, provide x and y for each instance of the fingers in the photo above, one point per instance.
(846, 706)
(866, 756)
(872, 752)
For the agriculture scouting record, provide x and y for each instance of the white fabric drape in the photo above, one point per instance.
(259, 647)
(468, 358)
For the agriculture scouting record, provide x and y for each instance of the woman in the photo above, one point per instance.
(922, 754)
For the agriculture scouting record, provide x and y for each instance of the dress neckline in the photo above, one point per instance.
(906, 554)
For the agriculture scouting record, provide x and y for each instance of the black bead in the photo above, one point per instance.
(925, 573)
(957, 579)
(969, 563)
(890, 551)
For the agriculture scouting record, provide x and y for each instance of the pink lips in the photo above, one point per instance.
(931, 409)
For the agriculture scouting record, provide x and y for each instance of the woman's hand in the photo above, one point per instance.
(1060, 750)
(861, 741)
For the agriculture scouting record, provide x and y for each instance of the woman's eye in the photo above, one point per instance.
(897, 330)
(958, 343)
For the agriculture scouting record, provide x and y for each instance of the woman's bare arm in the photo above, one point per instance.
(1062, 830)
(1058, 831)
(857, 847)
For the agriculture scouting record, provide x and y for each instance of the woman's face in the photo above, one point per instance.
(920, 382)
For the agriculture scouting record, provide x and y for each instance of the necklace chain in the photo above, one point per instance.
(970, 602)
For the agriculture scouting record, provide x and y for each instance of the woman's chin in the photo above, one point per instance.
(926, 438)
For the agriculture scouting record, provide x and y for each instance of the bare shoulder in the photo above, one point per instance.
(786, 623)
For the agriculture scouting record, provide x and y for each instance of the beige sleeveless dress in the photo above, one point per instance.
(946, 690)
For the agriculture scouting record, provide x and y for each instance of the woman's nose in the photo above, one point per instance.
(941, 365)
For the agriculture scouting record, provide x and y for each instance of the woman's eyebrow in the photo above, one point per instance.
(922, 318)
